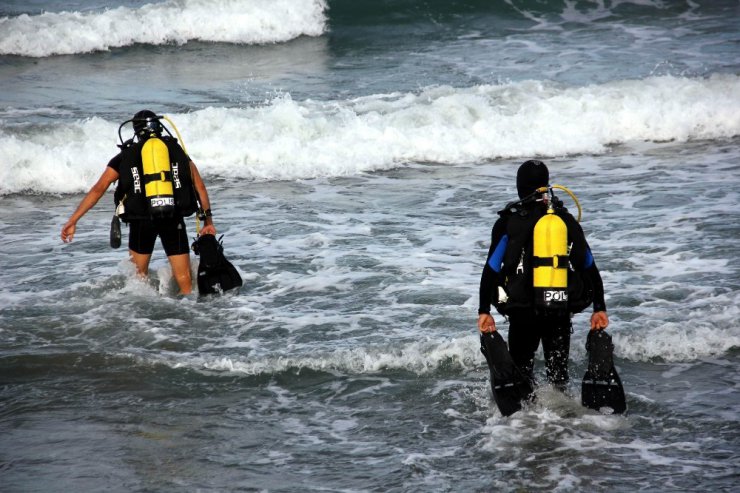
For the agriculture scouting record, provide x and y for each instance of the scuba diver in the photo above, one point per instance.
(158, 185)
(538, 272)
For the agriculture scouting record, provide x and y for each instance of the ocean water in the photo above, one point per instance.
(356, 153)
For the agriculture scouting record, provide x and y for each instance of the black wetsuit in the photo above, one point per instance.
(528, 325)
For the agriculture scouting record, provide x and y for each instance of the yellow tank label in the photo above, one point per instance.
(550, 241)
(155, 159)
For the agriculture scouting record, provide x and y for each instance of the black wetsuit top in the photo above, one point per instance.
(493, 274)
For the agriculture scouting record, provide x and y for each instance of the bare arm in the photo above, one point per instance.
(205, 202)
(93, 196)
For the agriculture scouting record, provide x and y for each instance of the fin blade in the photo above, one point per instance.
(510, 387)
(601, 386)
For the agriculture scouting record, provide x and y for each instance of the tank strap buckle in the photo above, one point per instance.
(556, 262)
(161, 176)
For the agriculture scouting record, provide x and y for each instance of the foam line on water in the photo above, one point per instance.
(285, 139)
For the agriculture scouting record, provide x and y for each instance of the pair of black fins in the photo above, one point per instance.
(601, 387)
(215, 273)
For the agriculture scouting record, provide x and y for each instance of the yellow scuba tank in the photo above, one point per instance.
(155, 159)
(550, 262)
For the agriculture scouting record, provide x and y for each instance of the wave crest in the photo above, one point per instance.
(286, 139)
(175, 21)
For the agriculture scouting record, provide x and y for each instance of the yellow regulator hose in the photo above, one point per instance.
(182, 144)
(572, 195)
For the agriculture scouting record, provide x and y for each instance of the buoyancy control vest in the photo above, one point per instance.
(537, 272)
(154, 180)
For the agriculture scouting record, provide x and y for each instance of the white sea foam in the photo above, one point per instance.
(174, 21)
(286, 139)
(580, 432)
(419, 357)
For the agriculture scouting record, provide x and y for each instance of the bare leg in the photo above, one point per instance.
(141, 261)
(181, 272)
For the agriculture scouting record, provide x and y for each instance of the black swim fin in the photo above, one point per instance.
(510, 386)
(215, 273)
(602, 387)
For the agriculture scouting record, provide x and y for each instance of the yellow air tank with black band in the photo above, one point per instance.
(550, 262)
(155, 159)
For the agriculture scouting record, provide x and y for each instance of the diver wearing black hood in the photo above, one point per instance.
(508, 270)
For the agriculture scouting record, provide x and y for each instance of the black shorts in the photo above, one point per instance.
(143, 234)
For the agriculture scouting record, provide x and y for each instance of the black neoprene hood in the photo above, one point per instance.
(531, 176)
